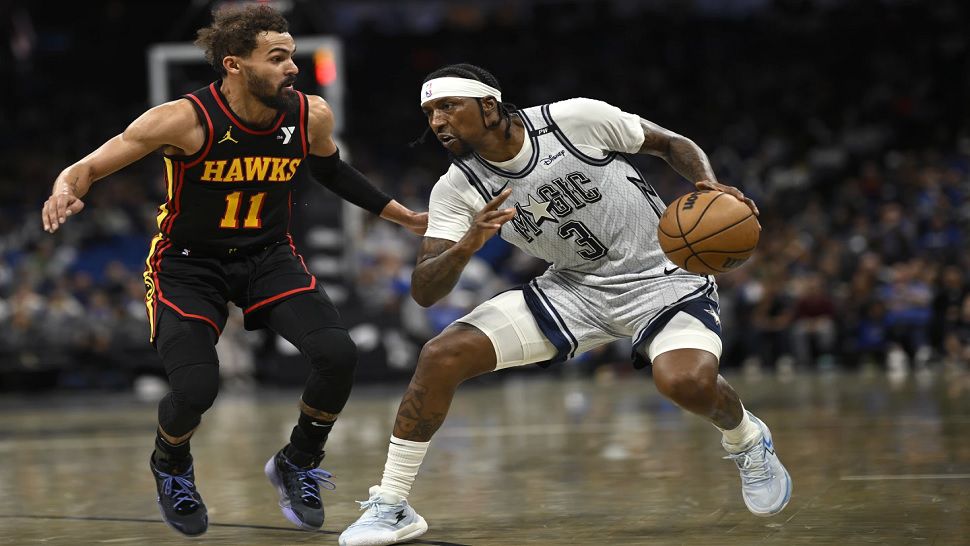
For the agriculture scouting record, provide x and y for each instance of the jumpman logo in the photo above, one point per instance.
(228, 136)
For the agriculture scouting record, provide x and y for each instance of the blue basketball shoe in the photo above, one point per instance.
(765, 483)
(178, 499)
(299, 489)
(388, 519)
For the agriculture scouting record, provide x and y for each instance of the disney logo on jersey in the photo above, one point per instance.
(552, 158)
(250, 169)
(287, 134)
(553, 201)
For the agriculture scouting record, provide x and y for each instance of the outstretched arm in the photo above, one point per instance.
(347, 182)
(172, 124)
(687, 158)
(440, 261)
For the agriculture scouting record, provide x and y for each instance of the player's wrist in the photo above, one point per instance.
(465, 248)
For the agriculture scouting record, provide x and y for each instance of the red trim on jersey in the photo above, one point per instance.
(202, 318)
(303, 124)
(297, 254)
(209, 137)
(155, 265)
(161, 297)
(179, 175)
(171, 198)
(289, 211)
(235, 120)
(313, 283)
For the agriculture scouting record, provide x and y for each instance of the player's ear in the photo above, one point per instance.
(489, 104)
(230, 63)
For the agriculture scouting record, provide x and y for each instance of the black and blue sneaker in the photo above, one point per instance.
(299, 489)
(178, 499)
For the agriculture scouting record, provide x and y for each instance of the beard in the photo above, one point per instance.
(276, 97)
(461, 149)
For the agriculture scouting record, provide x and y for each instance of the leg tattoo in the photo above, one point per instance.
(727, 408)
(317, 414)
(175, 440)
(417, 419)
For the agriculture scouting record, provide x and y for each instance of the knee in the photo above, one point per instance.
(187, 350)
(686, 380)
(330, 350)
(443, 358)
(195, 387)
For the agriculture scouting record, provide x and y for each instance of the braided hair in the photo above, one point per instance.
(473, 72)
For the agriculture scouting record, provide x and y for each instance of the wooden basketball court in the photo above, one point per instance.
(524, 459)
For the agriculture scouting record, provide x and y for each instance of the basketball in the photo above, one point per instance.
(708, 232)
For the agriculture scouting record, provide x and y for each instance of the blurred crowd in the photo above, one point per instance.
(846, 121)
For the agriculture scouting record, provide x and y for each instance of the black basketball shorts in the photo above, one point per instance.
(198, 285)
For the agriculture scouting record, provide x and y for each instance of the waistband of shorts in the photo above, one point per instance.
(217, 251)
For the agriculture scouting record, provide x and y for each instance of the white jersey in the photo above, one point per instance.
(580, 204)
(583, 207)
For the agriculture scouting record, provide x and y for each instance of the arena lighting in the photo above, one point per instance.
(324, 67)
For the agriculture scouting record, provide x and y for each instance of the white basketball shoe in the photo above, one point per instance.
(388, 519)
(765, 483)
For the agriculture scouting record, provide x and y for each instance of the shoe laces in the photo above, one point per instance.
(311, 479)
(379, 506)
(753, 464)
(178, 487)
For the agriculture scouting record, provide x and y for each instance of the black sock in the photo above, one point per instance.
(307, 440)
(170, 455)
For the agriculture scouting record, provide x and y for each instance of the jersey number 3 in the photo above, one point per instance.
(593, 249)
(230, 220)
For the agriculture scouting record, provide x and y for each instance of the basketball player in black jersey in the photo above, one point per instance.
(231, 151)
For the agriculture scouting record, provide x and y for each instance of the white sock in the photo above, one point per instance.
(404, 458)
(742, 436)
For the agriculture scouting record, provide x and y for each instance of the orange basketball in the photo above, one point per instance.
(708, 232)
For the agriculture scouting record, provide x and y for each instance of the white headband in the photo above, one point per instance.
(457, 87)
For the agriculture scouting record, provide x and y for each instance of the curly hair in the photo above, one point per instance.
(234, 30)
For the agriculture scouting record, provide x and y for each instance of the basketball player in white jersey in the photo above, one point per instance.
(554, 181)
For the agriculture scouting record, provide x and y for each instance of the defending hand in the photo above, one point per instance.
(58, 207)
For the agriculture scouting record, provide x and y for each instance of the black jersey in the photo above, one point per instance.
(235, 192)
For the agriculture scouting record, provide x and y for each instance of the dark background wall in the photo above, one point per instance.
(846, 121)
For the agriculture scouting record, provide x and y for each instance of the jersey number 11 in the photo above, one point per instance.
(230, 220)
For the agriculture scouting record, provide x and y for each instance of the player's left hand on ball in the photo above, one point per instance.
(736, 193)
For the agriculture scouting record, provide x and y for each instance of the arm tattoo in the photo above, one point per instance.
(689, 160)
(681, 153)
(437, 271)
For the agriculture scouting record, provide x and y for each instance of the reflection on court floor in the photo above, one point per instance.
(521, 460)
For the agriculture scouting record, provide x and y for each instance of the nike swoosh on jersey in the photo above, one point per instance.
(500, 190)
(668, 272)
